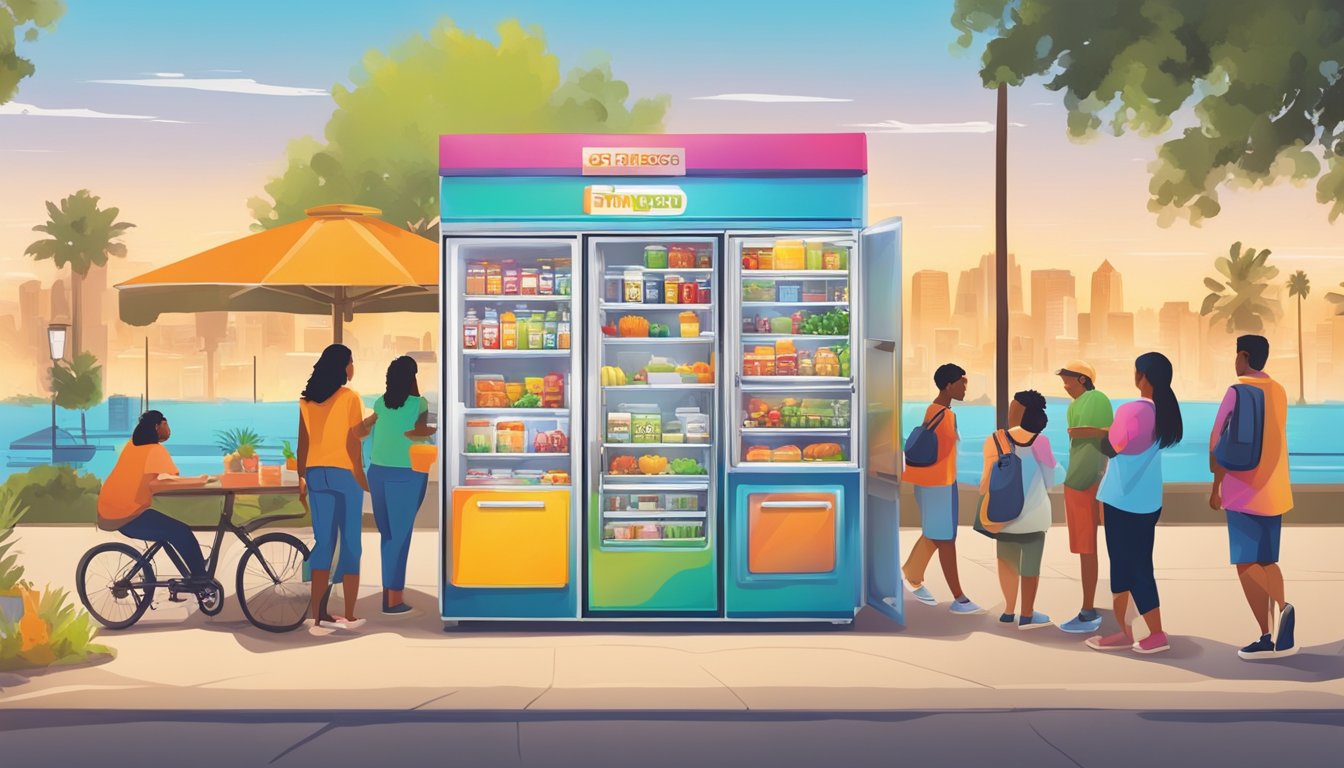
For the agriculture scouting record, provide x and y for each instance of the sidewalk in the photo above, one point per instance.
(178, 659)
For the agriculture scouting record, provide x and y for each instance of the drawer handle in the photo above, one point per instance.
(795, 505)
(511, 505)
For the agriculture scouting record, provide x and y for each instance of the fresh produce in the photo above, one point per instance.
(624, 465)
(652, 465)
(658, 331)
(613, 376)
(833, 323)
(824, 452)
(844, 360)
(528, 401)
(687, 467)
(555, 477)
(633, 326)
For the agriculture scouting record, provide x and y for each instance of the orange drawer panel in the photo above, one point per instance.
(791, 533)
(510, 539)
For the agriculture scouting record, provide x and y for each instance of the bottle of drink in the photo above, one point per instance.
(563, 330)
(471, 330)
(508, 331)
(522, 328)
(490, 330)
(536, 331)
(551, 331)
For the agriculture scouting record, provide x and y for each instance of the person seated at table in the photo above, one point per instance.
(144, 467)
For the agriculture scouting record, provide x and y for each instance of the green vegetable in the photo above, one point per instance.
(833, 323)
(686, 467)
(528, 401)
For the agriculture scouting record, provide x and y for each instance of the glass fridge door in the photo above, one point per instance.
(789, 345)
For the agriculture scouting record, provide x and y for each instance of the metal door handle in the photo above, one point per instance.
(511, 505)
(796, 505)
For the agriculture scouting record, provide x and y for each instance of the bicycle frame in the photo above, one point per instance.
(225, 525)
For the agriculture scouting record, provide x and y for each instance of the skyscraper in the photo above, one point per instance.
(974, 310)
(930, 308)
(1049, 285)
(1107, 298)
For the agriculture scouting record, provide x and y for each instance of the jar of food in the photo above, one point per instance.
(476, 278)
(655, 257)
(634, 286)
(690, 324)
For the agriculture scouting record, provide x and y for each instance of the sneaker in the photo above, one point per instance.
(1080, 625)
(1008, 618)
(1260, 650)
(963, 606)
(321, 628)
(1035, 621)
(1285, 644)
(1154, 643)
(921, 593)
(400, 609)
(349, 624)
(1116, 642)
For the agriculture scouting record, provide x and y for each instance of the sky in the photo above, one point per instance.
(209, 94)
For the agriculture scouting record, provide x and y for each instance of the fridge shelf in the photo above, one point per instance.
(750, 274)
(746, 337)
(796, 431)
(524, 353)
(797, 465)
(610, 306)
(522, 413)
(514, 456)
(668, 271)
(795, 304)
(631, 484)
(794, 382)
(656, 543)
(513, 297)
(657, 445)
(703, 338)
(670, 387)
(637, 514)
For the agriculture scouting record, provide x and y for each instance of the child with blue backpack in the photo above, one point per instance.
(1018, 517)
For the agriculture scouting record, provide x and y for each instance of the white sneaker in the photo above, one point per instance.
(347, 624)
(321, 628)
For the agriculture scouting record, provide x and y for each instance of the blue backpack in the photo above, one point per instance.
(921, 447)
(1006, 495)
(1240, 443)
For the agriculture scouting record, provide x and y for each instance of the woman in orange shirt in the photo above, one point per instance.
(331, 479)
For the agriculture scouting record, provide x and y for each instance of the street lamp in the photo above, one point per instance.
(56, 335)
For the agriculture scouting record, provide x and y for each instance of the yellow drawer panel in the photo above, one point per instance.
(510, 538)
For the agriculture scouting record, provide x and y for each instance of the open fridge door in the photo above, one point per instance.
(880, 276)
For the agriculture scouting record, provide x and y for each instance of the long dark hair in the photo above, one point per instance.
(401, 382)
(328, 373)
(147, 429)
(1156, 368)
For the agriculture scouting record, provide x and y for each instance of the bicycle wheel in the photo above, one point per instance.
(114, 582)
(271, 588)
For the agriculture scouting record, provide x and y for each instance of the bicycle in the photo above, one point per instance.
(116, 581)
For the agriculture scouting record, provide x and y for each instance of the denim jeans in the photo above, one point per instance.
(337, 504)
(153, 525)
(397, 494)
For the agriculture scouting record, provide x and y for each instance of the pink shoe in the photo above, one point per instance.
(1154, 643)
(1117, 642)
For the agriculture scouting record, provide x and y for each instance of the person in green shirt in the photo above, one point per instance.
(1089, 416)
(400, 417)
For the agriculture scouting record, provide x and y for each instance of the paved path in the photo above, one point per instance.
(177, 659)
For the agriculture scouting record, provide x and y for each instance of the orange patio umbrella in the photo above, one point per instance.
(339, 260)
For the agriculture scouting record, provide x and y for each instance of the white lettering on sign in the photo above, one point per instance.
(606, 200)
(634, 161)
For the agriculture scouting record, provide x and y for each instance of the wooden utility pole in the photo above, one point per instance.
(146, 374)
(254, 378)
(1001, 258)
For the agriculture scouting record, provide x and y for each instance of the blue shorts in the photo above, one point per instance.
(1253, 538)
(937, 512)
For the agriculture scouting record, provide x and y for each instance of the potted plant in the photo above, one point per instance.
(291, 461)
(239, 446)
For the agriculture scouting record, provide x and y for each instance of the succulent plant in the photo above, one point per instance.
(240, 440)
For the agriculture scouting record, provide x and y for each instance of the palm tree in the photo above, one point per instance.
(1238, 300)
(1300, 286)
(78, 385)
(83, 236)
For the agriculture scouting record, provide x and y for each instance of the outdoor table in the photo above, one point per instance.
(229, 493)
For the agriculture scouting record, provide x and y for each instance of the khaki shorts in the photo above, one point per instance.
(1084, 516)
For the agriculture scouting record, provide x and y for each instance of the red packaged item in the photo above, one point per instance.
(689, 293)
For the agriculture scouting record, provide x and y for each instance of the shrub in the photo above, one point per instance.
(56, 495)
(11, 510)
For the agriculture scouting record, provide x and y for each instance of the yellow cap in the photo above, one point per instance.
(1079, 368)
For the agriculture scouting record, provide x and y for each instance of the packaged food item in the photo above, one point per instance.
(790, 453)
(618, 427)
(689, 293)
(782, 325)
(563, 330)
(704, 259)
(634, 286)
(494, 279)
(533, 385)
(648, 503)
(511, 277)
(564, 278)
(546, 278)
(490, 330)
(830, 259)
(695, 423)
(790, 292)
(508, 331)
(510, 437)
(618, 502)
(471, 330)
(789, 255)
(653, 290)
(551, 441)
(812, 254)
(759, 453)
(550, 338)
(490, 391)
(480, 437)
(756, 290)
(805, 366)
(827, 362)
(702, 291)
(476, 278)
(672, 432)
(514, 391)
(655, 257)
(646, 427)
(843, 253)
(671, 289)
(814, 290)
(529, 283)
(824, 452)
(648, 531)
(535, 330)
(681, 502)
(681, 257)
(786, 358)
(553, 390)
(690, 324)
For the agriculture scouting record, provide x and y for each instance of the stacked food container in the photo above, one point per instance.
(672, 374)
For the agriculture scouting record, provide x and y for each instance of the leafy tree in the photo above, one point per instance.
(83, 236)
(1238, 300)
(1257, 83)
(31, 16)
(1300, 286)
(1337, 299)
(78, 385)
(381, 144)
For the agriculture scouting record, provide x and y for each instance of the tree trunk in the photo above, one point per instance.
(210, 373)
(1001, 258)
(1301, 368)
(76, 288)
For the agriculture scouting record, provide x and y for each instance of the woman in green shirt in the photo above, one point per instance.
(400, 417)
